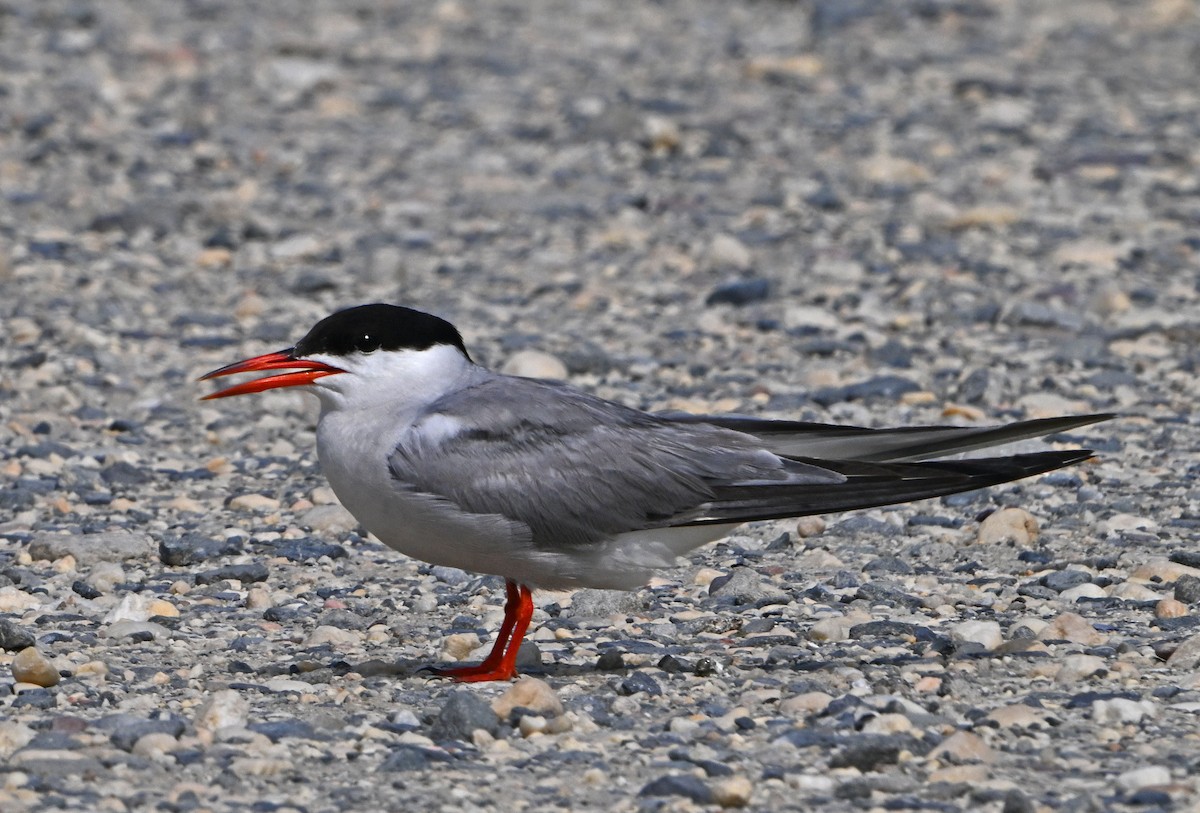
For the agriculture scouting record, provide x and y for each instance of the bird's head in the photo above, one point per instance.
(361, 356)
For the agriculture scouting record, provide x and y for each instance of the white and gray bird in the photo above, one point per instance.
(550, 487)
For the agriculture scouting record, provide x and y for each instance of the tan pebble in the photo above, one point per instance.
(155, 744)
(1008, 526)
(15, 600)
(807, 703)
(963, 746)
(918, 398)
(214, 257)
(1170, 608)
(30, 666)
(254, 502)
(969, 774)
(336, 637)
(1044, 669)
(258, 598)
(530, 693)
(459, 646)
(928, 684)
(218, 465)
(1017, 715)
(64, 565)
(1161, 571)
(705, 575)
(1186, 655)
(830, 629)
(92, 668)
(733, 791)
(1079, 667)
(963, 411)
(535, 364)
(726, 251)
(532, 724)
(809, 526)
(162, 607)
(182, 503)
(888, 724)
(180, 588)
(1074, 628)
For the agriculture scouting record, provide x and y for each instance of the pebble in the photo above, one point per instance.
(528, 693)
(1075, 668)
(13, 636)
(963, 746)
(1072, 627)
(30, 666)
(807, 527)
(331, 519)
(1148, 776)
(1170, 608)
(15, 600)
(726, 251)
(733, 791)
(804, 704)
(1187, 589)
(1014, 526)
(685, 785)
(335, 637)
(224, 709)
(258, 503)
(104, 576)
(461, 715)
(1186, 655)
(1123, 710)
(88, 549)
(536, 364)
(985, 633)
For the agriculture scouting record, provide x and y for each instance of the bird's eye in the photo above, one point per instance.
(366, 343)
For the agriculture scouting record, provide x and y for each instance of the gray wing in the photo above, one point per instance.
(577, 469)
(907, 444)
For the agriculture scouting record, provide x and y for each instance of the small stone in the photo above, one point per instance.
(124, 731)
(830, 629)
(805, 704)
(336, 637)
(13, 636)
(459, 646)
(1074, 628)
(1088, 590)
(1014, 526)
(1187, 655)
(163, 608)
(1162, 571)
(535, 364)
(1065, 579)
(887, 724)
(809, 526)
(333, 519)
(16, 600)
(640, 683)
(104, 576)
(13, 736)
(963, 746)
(868, 756)
(254, 502)
(137, 630)
(726, 251)
(30, 666)
(133, 607)
(1149, 776)
(745, 586)
(986, 633)
(686, 785)
(246, 574)
(528, 693)
(226, 709)
(1122, 710)
(156, 744)
(739, 292)
(1017, 715)
(1079, 667)
(733, 791)
(110, 546)
(1187, 589)
(1170, 608)
(463, 713)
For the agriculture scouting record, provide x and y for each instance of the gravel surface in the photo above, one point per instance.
(947, 210)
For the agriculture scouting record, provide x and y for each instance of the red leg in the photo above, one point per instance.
(501, 662)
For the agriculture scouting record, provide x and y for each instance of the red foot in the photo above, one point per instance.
(501, 662)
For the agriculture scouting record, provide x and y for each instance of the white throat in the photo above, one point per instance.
(396, 383)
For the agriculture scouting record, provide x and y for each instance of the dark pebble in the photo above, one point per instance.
(191, 548)
(247, 574)
(610, 660)
(888, 564)
(1187, 589)
(36, 699)
(286, 613)
(82, 588)
(844, 579)
(461, 715)
(13, 636)
(1186, 557)
(450, 575)
(343, 619)
(640, 682)
(411, 758)
(1152, 798)
(301, 550)
(685, 785)
(126, 474)
(1017, 802)
(704, 667)
(860, 524)
(883, 629)
(739, 292)
(1065, 579)
(277, 730)
(890, 387)
(868, 756)
(888, 594)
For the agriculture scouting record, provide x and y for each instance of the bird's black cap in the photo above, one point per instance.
(366, 328)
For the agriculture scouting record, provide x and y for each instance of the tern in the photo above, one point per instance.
(551, 487)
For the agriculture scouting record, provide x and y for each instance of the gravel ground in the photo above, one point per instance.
(967, 210)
